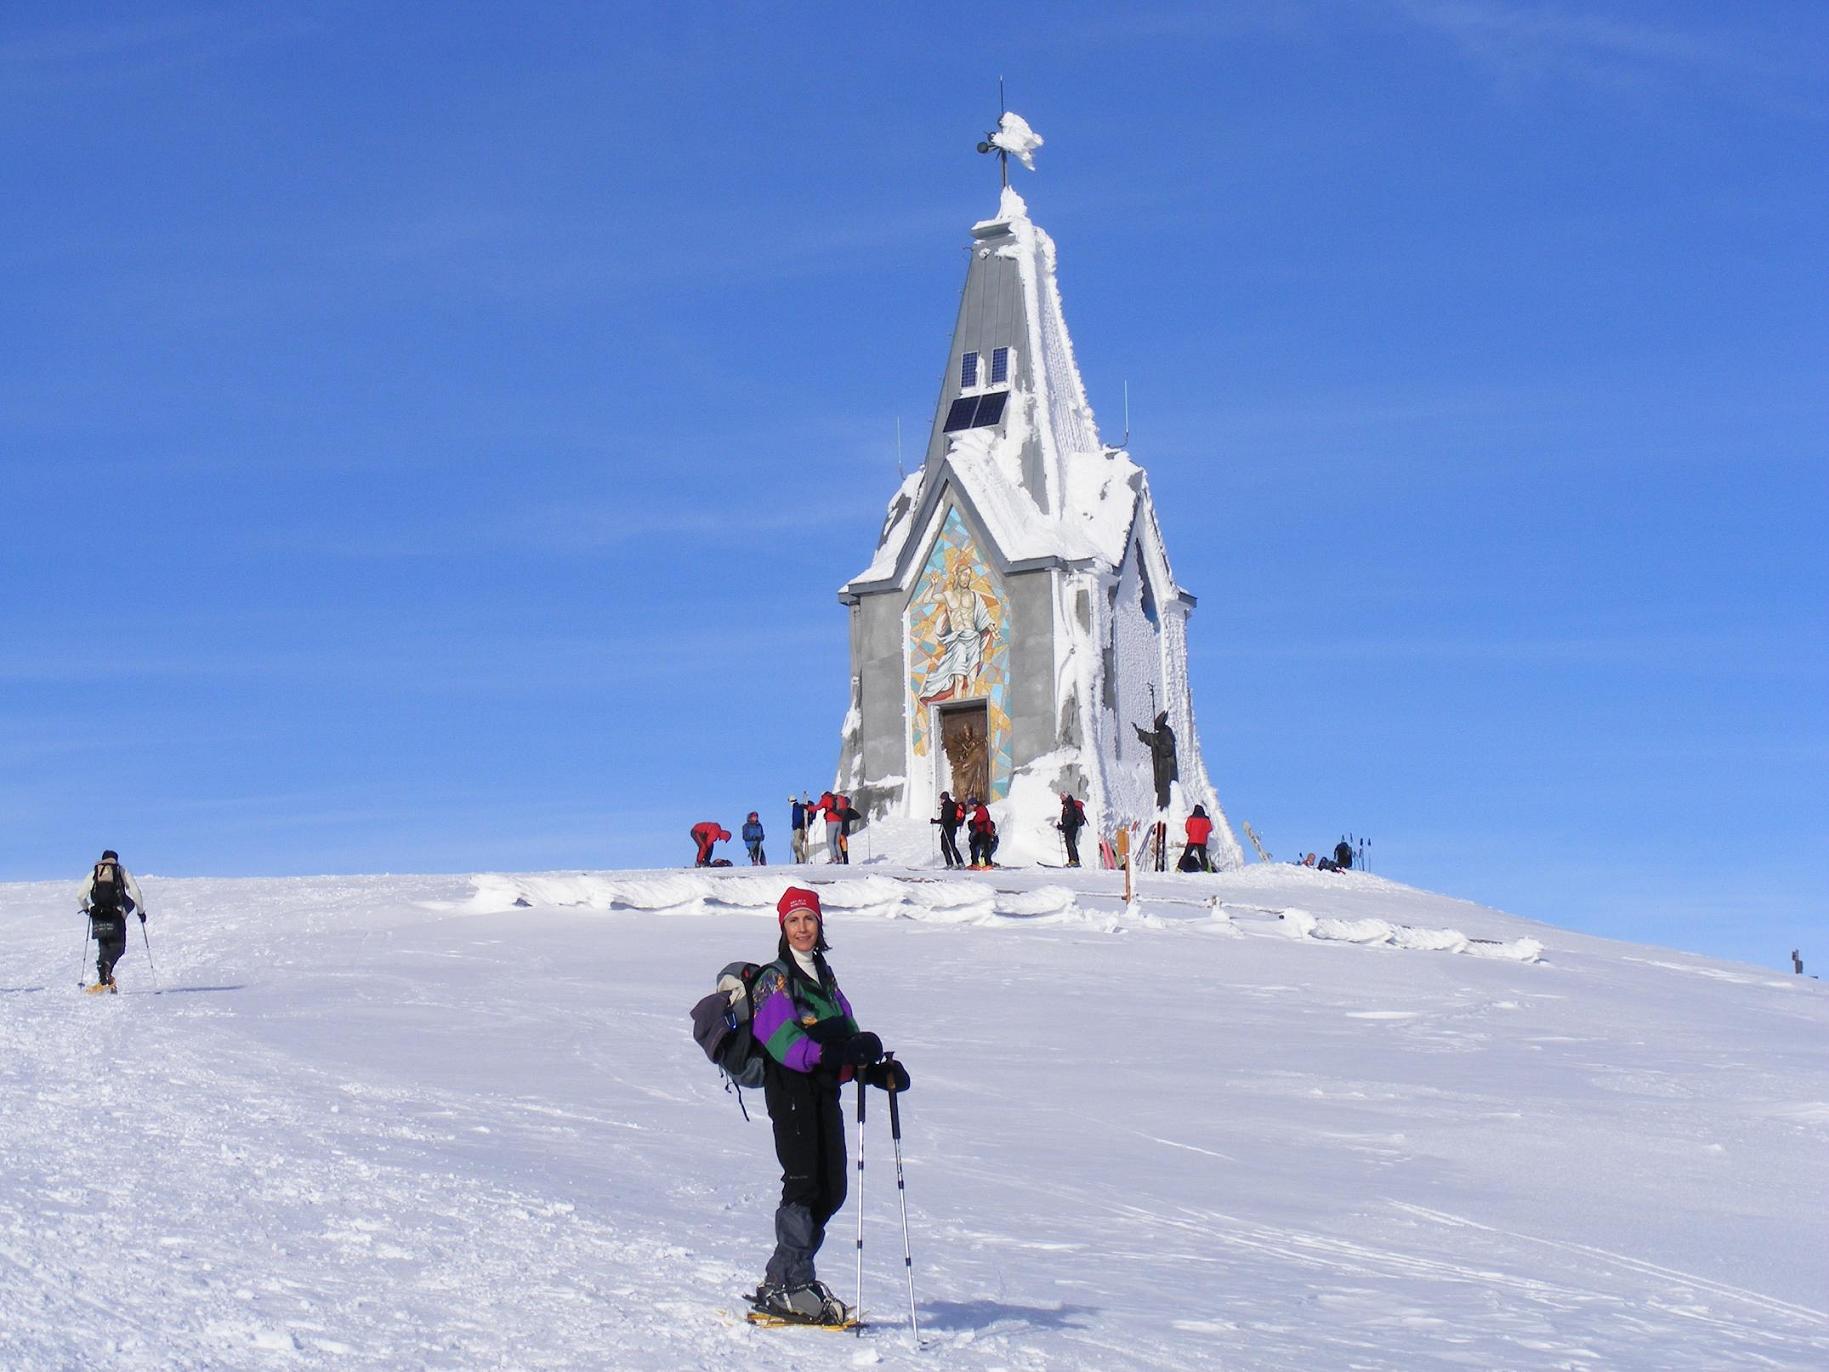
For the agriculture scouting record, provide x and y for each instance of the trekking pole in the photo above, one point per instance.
(895, 1132)
(149, 961)
(857, 1310)
(82, 968)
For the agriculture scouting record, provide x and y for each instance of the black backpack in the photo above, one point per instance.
(720, 1026)
(107, 896)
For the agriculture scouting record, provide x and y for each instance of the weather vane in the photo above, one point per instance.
(1012, 135)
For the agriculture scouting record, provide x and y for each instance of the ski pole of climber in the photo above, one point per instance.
(857, 1308)
(901, 1188)
(149, 961)
(82, 968)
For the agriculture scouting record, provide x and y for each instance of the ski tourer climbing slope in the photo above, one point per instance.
(108, 895)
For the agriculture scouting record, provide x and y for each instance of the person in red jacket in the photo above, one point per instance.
(704, 834)
(983, 834)
(838, 830)
(1194, 858)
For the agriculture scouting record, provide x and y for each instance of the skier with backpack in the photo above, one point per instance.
(983, 835)
(1073, 819)
(835, 808)
(799, 817)
(752, 839)
(952, 815)
(1194, 858)
(107, 897)
(812, 1046)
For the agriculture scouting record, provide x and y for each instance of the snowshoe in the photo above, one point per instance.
(812, 1304)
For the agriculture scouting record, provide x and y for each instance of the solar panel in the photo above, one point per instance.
(960, 416)
(968, 371)
(990, 409)
(1000, 366)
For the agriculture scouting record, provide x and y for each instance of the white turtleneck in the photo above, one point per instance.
(806, 964)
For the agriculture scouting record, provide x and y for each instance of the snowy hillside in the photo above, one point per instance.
(402, 1122)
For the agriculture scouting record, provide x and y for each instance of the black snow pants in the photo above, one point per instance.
(810, 1142)
(1071, 833)
(110, 943)
(949, 845)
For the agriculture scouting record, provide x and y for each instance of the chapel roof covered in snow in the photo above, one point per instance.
(1013, 435)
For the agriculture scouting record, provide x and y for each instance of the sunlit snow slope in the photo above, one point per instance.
(404, 1122)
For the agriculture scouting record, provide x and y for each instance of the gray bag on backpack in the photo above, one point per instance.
(720, 1027)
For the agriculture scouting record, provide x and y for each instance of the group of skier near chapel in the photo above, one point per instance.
(803, 814)
(973, 814)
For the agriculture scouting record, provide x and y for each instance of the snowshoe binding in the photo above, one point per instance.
(813, 1303)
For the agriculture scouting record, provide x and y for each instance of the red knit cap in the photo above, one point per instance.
(797, 898)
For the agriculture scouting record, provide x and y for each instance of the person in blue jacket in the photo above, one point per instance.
(799, 815)
(752, 840)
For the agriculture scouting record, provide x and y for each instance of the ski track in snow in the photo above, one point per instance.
(400, 1123)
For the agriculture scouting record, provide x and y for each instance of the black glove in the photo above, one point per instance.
(887, 1076)
(861, 1050)
(142, 917)
(830, 1033)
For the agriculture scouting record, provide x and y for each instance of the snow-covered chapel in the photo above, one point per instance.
(1020, 622)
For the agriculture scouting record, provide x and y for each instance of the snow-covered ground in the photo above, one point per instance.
(406, 1122)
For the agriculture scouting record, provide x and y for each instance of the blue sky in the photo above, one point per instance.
(431, 440)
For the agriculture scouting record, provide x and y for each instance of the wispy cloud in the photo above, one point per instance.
(82, 54)
(505, 664)
(1521, 43)
(583, 528)
(1743, 655)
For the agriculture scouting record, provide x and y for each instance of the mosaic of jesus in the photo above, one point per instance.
(959, 646)
(964, 630)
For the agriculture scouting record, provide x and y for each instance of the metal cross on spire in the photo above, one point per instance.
(1012, 135)
(990, 143)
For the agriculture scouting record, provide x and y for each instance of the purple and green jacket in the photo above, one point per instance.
(785, 1007)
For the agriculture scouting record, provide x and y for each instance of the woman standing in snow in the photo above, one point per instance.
(752, 839)
(812, 1046)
